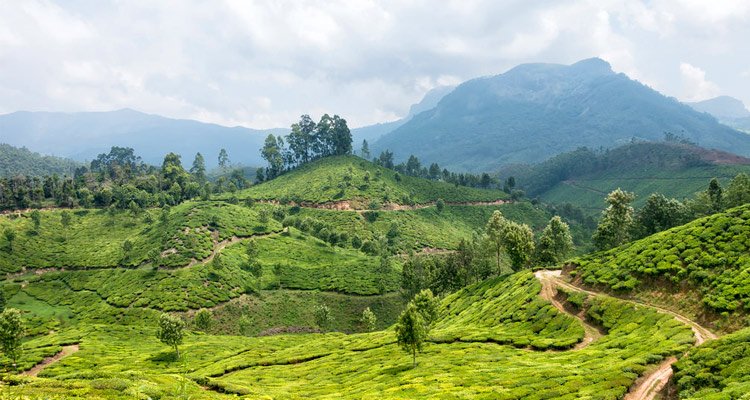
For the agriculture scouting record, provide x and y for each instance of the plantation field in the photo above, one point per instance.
(716, 370)
(589, 191)
(702, 268)
(366, 365)
(350, 178)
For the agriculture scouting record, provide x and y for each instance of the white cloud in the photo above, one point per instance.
(697, 87)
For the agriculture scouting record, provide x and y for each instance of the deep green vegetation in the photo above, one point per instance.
(700, 267)
(717, 370)
(20, 161)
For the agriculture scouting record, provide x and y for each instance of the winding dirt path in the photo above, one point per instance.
(650, 384)
(591, 333)
(348, 205)
(66, 351)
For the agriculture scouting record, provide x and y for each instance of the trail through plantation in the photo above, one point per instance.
(348, 205)
(66, 351)
(649, 385)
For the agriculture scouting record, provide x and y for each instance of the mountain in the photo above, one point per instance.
(21, 161)
(82, 136)
(371, 133)
(535, 111)
(728, 110)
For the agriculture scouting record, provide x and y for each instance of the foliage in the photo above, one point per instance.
(203, 319)
(170, 331)
(323, 317)
(16, 161)
(615, 222)
(368, 319)
(427, 307)
(410, 331)
(554, 243)
(12, 332)
(518, 241)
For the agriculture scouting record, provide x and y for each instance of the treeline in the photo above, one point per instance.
(673, 153)
(413, 167)
(119, 179)
(306, 142)
(620, 224)
(21, 161)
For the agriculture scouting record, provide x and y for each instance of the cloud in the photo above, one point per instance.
(696, 85)
(262, 64)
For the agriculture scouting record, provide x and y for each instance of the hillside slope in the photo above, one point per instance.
(535, 111)
(701, 268)
(356, 181)
(21, 161)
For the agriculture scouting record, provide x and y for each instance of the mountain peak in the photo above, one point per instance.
(593, 66)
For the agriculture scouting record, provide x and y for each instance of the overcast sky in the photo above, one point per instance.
(262, 64)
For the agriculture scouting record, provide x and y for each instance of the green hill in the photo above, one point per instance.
(463, 357)
(699, 268)
(21, 161)
(356, 181)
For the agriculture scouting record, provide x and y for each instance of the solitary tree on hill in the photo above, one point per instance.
(12, 331)
(65, 219)
(170, 331)
(410, 331)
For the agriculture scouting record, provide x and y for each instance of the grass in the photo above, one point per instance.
(342, 178)
(700, 267)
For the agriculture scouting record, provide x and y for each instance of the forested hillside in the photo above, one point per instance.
(21, 161)
(554, 108)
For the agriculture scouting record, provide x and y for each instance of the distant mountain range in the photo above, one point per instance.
(82, 136)
(535, 111)
(727, 110)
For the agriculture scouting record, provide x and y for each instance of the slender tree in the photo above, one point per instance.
(223, 160)
(427, 306)
(65, 219)
(170, 331)
(365, 151)
(496, 232)
(198, 169)
(614, 227)
(410, 331)
(12, 332)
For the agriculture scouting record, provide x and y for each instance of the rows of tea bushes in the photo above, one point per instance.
(716, 370)
(707, 258)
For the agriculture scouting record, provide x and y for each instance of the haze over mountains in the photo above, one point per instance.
(535, 111)
(526, 115)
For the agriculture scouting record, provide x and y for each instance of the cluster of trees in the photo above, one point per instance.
(306, 142)
(413, 167)
(120, 179)
(620, 223)
(477, 259)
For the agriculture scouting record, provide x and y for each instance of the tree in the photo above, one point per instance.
(440, 204)
(382, 271)
(496, 232)
(172, 170)
(198, 169)
(716, 194)
(356, 242)
(127, 247)
(278, 270)
(254, 266)
(36, 218)
(300, 139)
(12, 332)
(323, 317)
(3, 299)
(658, 214)
(223, 160)
(365, 152)
(427, 306)
(263, 215)
(203, 319)
(518, 243)
(65, 218)
(434, 171)
(410, 331)
(341, 137)
(368, 320)
(10, 236)
(738, 191)
(271, 152)
(170, 331)
(613, 229)
(555, 242)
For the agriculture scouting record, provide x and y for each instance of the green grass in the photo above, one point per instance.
(702, 267)
(717, 370)
(329, 180)
(589, 191)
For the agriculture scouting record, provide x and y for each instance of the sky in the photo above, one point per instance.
(261, 64)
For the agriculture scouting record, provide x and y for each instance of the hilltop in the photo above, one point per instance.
(535, 111)
(349, 182)
(728, 110)
(21, 161)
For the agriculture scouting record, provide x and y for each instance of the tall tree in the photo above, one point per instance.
(272, 153)
(300, 139)
(496, 233)
(170, 331)
(658, 214)
(555, 242)
(65, 219)
(365, 151)
(223, 160)
(738, 191)
(716, 194)
(614, 227)
(198, 169)
(12, 332)
(172, 170)
(410, 331)
(341, 137)
(519, 244)
(427, 306)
